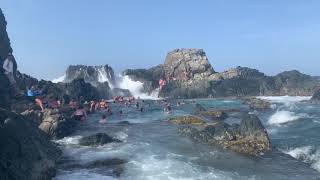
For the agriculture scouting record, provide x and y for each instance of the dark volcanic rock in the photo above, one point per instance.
(97, 139)
(25, 151)
(91, 74)
(5, 49)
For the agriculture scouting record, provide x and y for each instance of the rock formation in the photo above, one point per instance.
(90, 74)
(190, 75)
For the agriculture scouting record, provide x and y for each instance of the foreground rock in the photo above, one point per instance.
(316, 96)
(257, 104)
(250, 137)
(97, 140)
(25, 151)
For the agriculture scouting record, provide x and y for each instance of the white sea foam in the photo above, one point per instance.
(59, 79)
(284, 99)
(281, 117)
(135, 87)
(306, 154)
(73, 140)
(103, 77)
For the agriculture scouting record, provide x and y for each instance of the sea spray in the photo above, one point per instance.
(136, 88)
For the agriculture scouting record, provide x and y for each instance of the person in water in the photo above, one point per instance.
(168, 108)
(103, 119)
(80, 114)
(34, 96)
(73, 104)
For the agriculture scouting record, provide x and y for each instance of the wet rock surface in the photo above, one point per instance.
(97, 140)
(250, 137)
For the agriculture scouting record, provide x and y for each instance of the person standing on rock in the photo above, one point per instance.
(8, 71)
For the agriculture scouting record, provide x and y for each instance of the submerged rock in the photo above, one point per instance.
(250, 137)
(109, 167)
(187, 120)
(97, 140)
(25, 151)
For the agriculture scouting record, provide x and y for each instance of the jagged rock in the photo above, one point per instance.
(250, 137)
(25, 151)
(316, 96)
(97, 139)
(90, 74)
(187, 120)
(257, 104)
(5, 49)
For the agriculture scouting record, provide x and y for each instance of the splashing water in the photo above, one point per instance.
(136, 87)
(103, 76)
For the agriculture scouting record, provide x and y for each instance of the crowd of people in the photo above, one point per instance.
(81, 108)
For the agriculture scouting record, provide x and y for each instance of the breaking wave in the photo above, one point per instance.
(136, 88)
(281, 117)
(307, 154)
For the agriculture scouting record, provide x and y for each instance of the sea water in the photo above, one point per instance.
(154, 150)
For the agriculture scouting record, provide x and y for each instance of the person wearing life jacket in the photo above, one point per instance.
(162, 83)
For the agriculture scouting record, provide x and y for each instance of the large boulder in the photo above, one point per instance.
(57, 124)
(25, 151)
(250, 137)
(97, 140)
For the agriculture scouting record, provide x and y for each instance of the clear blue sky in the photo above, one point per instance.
(270, 35)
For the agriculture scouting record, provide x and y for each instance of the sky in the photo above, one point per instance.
(269, 35)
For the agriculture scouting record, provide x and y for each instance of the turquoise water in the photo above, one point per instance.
(154, 150)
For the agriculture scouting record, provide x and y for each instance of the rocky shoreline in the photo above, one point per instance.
(27, 151)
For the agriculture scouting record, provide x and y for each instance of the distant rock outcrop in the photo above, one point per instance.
(91, 74)
(190, 75)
